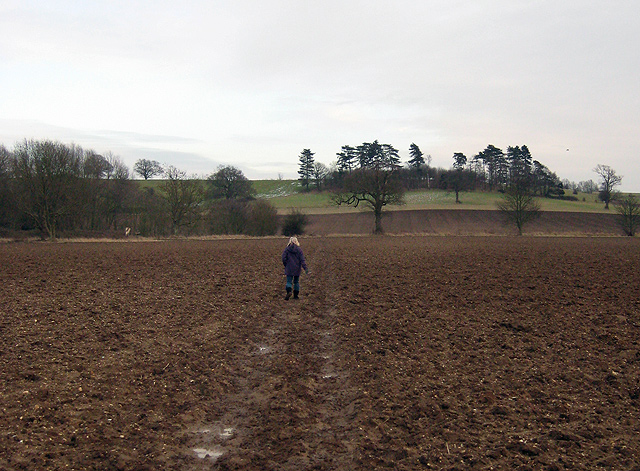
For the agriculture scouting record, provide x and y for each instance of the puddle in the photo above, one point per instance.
(211, 454)
(262, 349)
(330, 375)
(223, 433)
(209, 438)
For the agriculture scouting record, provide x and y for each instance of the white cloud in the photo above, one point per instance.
(248, 82)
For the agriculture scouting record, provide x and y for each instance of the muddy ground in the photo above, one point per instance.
(465, 222)
(403, 353)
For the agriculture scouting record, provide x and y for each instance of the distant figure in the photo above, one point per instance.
(127, 231)
(293, 261)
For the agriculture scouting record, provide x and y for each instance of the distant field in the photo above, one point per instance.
(441, 199)
(285, 195)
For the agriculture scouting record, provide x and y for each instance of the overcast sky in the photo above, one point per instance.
(252, 83)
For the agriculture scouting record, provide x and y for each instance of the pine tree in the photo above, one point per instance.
(347, 159)
(520, 163)
(367, 152)
(417, 157)
(306, 167)
(390, 157)
(378, 156)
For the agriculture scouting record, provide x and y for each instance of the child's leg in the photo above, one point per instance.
(288, 287)
(296, 283)
(296, 286)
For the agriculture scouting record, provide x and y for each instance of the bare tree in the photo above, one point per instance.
(374, 187)
(230, 183)
(116, 168)
(320, 172)
(150, 212)
(588, 186)
(94, 165)
(147, 168)
(94, 169)
(184, 197)
(608, 181)
(519, 206)
(5, 160)
(47, 174)
(628, 208)
(6, 196)
(119, 191)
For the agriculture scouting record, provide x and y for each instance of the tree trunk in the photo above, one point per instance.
(378, 214)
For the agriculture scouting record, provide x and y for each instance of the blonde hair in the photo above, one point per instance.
(294, 241)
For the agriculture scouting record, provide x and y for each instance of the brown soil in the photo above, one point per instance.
(464, 222)
(403, 353)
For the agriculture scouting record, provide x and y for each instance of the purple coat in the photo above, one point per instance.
(293, 260)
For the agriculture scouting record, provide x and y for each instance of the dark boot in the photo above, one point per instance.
(286, 298)
(295, 294)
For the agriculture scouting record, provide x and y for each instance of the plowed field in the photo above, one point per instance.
(464, 222)
(403, 353)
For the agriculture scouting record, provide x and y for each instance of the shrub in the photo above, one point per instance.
(228, 217)
(628, 209)
(257, 218)
(152, 218)
(519, 206)
(294, 223)
(263, 219)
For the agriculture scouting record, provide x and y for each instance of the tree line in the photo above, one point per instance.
(490, 169)
(54, 189)
(373, 175)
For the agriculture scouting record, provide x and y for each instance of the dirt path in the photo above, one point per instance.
(291, 394)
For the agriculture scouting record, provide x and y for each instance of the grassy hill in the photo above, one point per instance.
(285, 194)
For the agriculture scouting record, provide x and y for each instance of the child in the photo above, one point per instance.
(293, 261)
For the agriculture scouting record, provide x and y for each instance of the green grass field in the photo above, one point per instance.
(441, 199)
(286, 195)
(155, 184)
